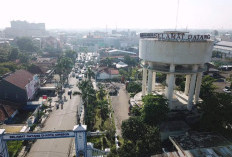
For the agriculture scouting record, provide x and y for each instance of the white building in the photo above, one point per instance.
(174, 53)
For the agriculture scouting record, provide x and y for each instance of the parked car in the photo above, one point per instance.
(227, 90)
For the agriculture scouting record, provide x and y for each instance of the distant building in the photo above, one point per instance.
(19, 87)
(225, 47)
(121, 65)
(105, 73)
(23, 28)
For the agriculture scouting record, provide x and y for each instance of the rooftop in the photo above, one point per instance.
(198, 140)
(224, 43)
(20, 78)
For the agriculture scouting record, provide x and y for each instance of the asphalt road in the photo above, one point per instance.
(121, 107)
(64, 119)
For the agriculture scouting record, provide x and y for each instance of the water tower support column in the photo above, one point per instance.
(198, 87)
(144, 81)
(153, 81)
(187, 82)
(192, 88)
(171, 82)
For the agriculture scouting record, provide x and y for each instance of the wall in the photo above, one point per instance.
(12, 90)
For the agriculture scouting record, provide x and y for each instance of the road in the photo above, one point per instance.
(120, 106)
(58, 120)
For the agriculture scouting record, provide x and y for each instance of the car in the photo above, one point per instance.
(227, 90)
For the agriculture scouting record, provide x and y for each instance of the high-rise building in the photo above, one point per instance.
(24, 28)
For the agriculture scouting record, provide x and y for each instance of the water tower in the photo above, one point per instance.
(175, 53)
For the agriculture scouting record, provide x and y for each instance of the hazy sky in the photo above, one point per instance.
(209, 14)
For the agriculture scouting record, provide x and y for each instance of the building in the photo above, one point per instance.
(105, 73)
(198, 145)
(19, 87)
(225, 47)
(7, 110)
(23, 28)
(175, 53)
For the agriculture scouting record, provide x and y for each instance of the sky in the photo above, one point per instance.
(132, 14)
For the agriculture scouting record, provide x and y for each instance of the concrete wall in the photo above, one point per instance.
(175, 52)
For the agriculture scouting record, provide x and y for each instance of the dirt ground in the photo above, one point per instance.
(121, 107)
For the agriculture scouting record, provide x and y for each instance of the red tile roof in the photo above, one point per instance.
(19, 78)
(3, 115)
(113, 72)
(6, 111)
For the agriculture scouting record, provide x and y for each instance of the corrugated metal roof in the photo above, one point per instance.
(224, 151)
(224, 43)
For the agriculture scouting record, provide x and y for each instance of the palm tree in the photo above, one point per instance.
(90, 73)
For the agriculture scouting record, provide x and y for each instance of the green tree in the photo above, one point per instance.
(63, 67)
(130, 61)
(3, 70)
(128, 149)
(14, 52)
(24, 58)
(207, 87)
(104, 110)
(25, 44)
(136, 111)
(101, 93)
(133, 129)
(217, 111)
(70, 54)
(106, 62)
(90, 74)
(150, 144)
(134, 87)
(155, 109)
(4, 52)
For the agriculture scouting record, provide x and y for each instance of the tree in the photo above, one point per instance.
(150, 144)
(133, 129)
(13, 55)
(4, 54)
(128, 149)
(104, 110)
(130, 61)
(25, 44)
(3, 70)
(24, 58)
(134, 87)
(207, 87)
(70, 54)
(155, 109)
(136, 111)
(90, 73)
(101, 93)
(106, 62)
(217, 111)
(63, 67)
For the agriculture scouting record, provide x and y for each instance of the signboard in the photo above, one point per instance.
(32, 86)
(174, 36)
(43, 135)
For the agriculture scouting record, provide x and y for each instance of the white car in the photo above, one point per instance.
(226, 90)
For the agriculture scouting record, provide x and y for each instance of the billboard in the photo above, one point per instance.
(32, 87)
